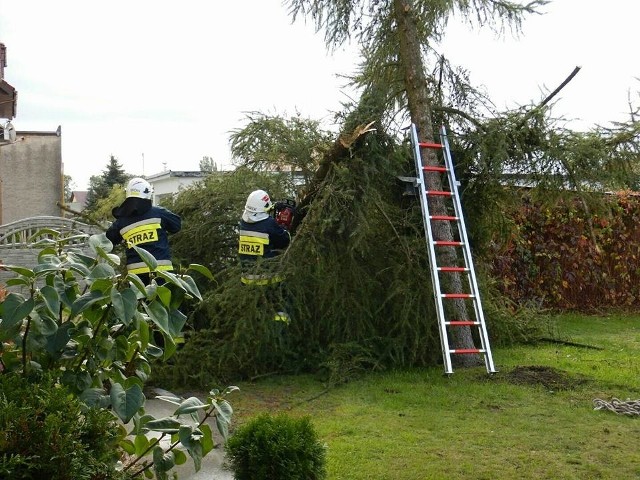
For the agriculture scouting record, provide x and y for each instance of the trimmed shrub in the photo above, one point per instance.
(563, 259)
(269, 447)
(45, 432)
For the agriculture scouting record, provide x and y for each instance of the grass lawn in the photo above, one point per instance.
(534, 419)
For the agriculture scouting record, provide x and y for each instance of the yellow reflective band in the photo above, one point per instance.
(136, 269)
(281, 317)
(250, 245)
(260, 279)
(142, 234)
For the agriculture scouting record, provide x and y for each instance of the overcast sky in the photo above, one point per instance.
(161, 84)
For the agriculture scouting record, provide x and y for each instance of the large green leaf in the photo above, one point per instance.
(18, 281)
(57, 342)
(190, 439)
(118, 304)
(135, 280)
(100, 242)
(102, 270)
(143, 335)
(79, 268)
(127, 445)
(170, 346)
(141, 444)
(51, 299)
(207, 441)
(95, 397)
(180, 457)
(19, 270)
(171, 278)
(78, 257)
(15, 309)
(164, 294)
(164, 425)
(162, 463)
(191, 404)
(140, 422)
(177, 319)
(223, 417)
(103, 284)
(177, 298)
(201, 269)
(191, 286)
(49, 255)
(130, 302)
(124, 304)
(126, 402)
(158, 315)
(86, 300)
(66, 294)
(44, 325)
(149, 260)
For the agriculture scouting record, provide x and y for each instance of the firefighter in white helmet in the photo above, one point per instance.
(261, 238)
(140, 223)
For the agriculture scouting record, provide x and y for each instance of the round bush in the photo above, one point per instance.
(269, 447)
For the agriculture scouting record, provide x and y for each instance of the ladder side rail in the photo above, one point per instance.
(435, 280)
(484, 337)
(457, 208)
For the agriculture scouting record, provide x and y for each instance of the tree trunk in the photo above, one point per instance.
(420, 110)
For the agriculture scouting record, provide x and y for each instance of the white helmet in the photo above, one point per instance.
(257, 207)
(139, 188)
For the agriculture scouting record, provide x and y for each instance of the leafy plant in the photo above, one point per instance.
(92, 327)
(48, 433)
(280, 446)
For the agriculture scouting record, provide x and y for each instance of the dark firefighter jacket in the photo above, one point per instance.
(260, 241)
(143, 225)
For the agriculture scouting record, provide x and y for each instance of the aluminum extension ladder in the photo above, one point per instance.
(448, 180)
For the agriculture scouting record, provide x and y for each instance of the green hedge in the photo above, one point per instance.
(561, 258)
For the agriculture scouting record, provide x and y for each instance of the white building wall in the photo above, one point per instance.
(171, 182)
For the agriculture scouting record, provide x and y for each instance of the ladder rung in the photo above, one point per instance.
(457, 295)
(430, 145)
(462, 323)
(446, 243)
(453, 269)
(439, 192)
(434, 169)
(443, 217)
(467, 350)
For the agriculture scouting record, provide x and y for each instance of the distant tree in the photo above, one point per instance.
(208, 165)
(102, 211)
(280, 144)
(100, 186)
(69, 185)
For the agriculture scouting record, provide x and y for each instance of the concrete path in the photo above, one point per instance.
(212, 465)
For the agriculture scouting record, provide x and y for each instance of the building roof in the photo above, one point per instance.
(8, 100)
(8, 94)
(79, 196)
(173, 173)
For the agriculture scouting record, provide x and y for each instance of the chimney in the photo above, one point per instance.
(3, 59)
